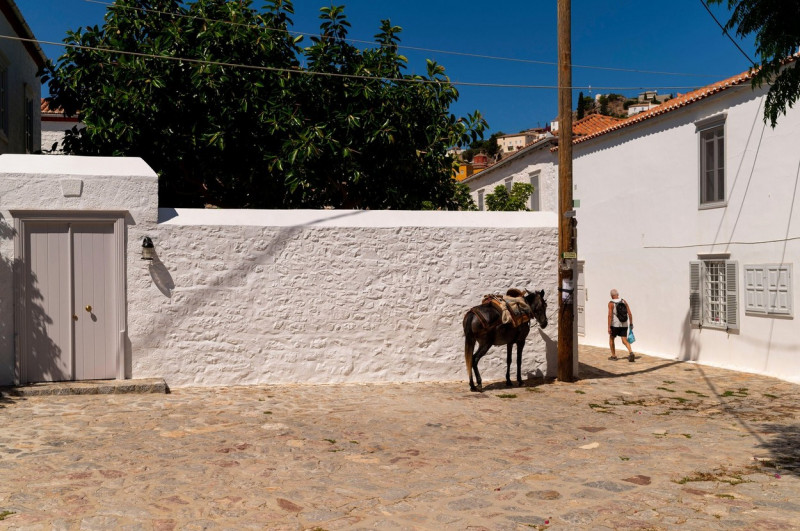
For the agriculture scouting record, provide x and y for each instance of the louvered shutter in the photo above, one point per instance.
(695, 303)
(755, 297)
(732, 294)
(779, 291)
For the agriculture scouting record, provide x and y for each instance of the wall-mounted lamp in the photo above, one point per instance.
(148, 251)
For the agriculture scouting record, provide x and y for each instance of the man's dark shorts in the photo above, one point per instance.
(619, 331)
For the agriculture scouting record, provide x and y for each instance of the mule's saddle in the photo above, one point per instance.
(512, 306)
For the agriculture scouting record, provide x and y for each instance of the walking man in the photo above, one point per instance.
(619, 318)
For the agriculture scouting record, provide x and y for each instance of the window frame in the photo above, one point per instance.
(481, 205)
(701, 296)
(536, 198)
(29, 120)
(4, 105)
(702, 129)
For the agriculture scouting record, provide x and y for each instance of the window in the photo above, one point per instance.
(480, 199)
(535, 206)
(510, 147)
(29, 129)
(713, 293)
(3, 100)
(768, 289)
(712, 161)
(508, 183)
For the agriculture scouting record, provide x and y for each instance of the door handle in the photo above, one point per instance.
(89, 308)
(74, 317)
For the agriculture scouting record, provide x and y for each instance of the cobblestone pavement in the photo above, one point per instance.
(654, 444)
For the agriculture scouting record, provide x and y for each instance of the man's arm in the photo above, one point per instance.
(610, 312)
(630, 314)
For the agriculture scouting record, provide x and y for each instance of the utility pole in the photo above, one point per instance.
(567, 252)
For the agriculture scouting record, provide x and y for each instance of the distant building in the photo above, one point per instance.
(54, 127)
(508, 144)
(20, 88)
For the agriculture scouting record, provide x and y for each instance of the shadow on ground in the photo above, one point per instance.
(591, 372)
(783, 446)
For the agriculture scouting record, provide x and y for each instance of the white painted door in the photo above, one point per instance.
(70, 302)
(95, 351)
(581, 301)
(49, 317)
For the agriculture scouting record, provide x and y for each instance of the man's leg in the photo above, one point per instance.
(628, 346)
(611, 345)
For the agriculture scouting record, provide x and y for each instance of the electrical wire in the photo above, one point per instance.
(418, 80)
(111, 5)
(725, 31)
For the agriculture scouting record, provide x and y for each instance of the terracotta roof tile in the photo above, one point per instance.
(593, 123)
(46, 109)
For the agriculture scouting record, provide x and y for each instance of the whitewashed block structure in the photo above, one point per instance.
(247, 297)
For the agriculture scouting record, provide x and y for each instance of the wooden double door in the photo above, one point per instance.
(71, 305)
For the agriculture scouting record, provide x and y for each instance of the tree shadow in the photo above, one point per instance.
(41, 350)
(784, 447)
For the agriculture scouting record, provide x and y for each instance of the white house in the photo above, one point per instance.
(692, 211)
(20, 89)
(533, 164)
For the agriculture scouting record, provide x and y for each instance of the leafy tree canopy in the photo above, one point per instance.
(777, 32)
(488, 146)
(351, 129)
(517, 199)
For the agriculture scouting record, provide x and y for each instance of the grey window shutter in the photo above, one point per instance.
(732, 294)
(695, 304)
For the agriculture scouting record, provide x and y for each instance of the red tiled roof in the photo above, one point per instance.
(678, 102)
(46, 109)
(593, 123)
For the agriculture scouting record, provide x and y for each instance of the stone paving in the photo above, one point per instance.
(655, 444)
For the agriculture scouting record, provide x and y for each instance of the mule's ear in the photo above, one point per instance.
(542, 292)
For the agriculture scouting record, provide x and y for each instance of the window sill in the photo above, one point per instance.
(709, 206)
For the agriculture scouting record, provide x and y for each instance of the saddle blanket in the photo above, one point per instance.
(513, 310)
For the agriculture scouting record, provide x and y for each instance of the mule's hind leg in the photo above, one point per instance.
(469, 348)
(483, 348)
(508, 364)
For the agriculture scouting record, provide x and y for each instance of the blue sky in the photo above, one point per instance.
(676, 37)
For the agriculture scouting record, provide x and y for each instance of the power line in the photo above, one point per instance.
(418, 80)
(399, 46)
(725, 31)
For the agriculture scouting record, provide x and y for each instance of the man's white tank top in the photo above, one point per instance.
(614, 319)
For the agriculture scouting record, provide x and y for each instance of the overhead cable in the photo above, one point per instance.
(409, 79)
(725, 31)
(111, 5)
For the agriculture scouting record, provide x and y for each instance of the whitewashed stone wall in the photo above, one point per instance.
(332, 296)
(246, 297)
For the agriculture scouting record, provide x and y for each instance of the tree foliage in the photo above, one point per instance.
(351, 129)
(777, 33)
(488, 146)
(503, 200)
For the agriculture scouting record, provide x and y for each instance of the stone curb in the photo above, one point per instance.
(94, 387)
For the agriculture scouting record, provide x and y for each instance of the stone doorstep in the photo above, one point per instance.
(88, 387)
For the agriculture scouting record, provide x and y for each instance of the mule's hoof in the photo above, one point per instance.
(509, 384)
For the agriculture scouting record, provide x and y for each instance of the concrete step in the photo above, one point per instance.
(88, 387)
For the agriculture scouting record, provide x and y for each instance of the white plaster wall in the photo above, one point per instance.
(21, 71)
(520, 169)
(640, 226)
(245, 297)
(252, 297)
(34, 182)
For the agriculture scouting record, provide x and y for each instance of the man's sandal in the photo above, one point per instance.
(613, 358)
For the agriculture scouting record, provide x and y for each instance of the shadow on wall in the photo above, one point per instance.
(690, 343)
(41, 360)
(551, 354)
(161, 277)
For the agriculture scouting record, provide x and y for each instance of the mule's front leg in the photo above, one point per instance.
(508, 364)
(519, 361)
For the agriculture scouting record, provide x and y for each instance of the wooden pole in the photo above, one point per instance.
(566, 225)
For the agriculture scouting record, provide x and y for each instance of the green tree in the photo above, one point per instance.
(268, 135)
(517, 199)
(777, 33)
(581, 106)
(488, 146)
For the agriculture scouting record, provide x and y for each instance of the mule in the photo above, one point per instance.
(488, 330)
